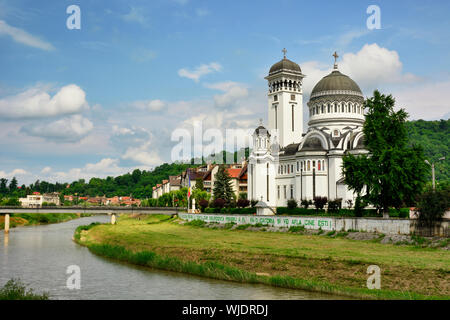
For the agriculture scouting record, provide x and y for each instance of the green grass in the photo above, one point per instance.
(334, 262)
(14, 289)
(216, 270)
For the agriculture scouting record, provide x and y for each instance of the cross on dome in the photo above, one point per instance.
(335, 55)
(284, 52)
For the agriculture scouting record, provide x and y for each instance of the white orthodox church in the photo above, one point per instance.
(289, 163)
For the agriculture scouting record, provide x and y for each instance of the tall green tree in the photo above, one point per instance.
(394, 172)
(13, 184)
(3, 186)
(222, 185)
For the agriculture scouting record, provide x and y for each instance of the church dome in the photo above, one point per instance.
(336, 98)
(285, 65)
(261, 130)
(336, 83)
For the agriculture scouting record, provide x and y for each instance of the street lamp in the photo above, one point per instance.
(432, 171)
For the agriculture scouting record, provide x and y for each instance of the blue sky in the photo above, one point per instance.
(105, 99)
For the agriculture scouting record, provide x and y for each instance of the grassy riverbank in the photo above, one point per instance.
(310, 262)
(29, 219)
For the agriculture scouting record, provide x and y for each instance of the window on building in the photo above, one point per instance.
(309, 165)
(292, 97)
(298, 166)
(292, 117)
(275, 98)
(314, 164)
(323, 109)
(318, 165)
(328, 108)
(335, 108)
(292, 168)
(278, 191)
(284, 189)
(292, 191)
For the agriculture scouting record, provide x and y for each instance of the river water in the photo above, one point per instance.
(40, 255)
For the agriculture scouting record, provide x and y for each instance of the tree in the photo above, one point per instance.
(199, 184)
(393, 173)
(222, 185)
(13, 184)
(3, 186)
(432, 206)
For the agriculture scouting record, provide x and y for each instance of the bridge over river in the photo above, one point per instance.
(112, 211)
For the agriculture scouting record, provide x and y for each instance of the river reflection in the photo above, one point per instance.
(40, 255)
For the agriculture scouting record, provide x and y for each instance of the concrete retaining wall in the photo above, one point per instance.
(386, 226)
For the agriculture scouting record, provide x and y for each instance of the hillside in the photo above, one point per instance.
(434, 137)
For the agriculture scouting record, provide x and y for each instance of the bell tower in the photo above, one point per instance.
(285, 101)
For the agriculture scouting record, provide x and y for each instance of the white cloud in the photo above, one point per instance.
(105, 167)
(233, 91)
(23, 37)
(69, 129)
(135, 15)
(373, 66)
(46, 170)
(200, 71)
(13, 173)
(143, 154)
(427, 101)
(370, 67)
(149, 105)
(37, 103)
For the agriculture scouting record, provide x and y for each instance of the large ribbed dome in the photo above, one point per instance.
(285, 65)
(336, 81)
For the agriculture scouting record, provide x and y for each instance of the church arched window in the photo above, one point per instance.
(323, 109)
(328, 108)
(318, 165)
(335, 108)
(309, 165)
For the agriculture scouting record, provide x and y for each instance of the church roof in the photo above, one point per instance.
(284, 65)
(290, 149)
(312, 144)
(336, 81)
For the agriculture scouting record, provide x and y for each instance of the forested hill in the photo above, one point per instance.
(434, 137)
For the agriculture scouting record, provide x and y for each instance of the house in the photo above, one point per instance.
(36, 200)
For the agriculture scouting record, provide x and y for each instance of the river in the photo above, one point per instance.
(39, 257)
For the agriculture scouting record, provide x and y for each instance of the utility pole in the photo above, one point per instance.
(433, 177)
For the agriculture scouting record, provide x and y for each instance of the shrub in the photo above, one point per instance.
(253, 203)
(16, 290)
(305, 203)
(203, 204)
(334, 205)
(292, 204)
(297, 229)
(243, 203)
(219, 203)
(432, 206)
(320, 202)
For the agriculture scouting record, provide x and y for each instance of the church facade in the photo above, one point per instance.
(288, 162)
